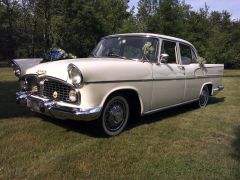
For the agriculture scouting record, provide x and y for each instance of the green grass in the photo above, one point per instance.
(4, 63)
(180, 143)
(232, 72)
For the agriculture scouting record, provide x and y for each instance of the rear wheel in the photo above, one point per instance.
(115, 116)
(203, 98)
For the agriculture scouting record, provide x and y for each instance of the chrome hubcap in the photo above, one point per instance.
(115, 115)
(203, 99)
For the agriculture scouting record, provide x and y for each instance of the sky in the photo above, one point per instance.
(232, 6)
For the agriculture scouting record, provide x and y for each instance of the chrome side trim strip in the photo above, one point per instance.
(160, 79)
(167, 107)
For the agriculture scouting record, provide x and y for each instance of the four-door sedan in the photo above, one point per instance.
(125, 74)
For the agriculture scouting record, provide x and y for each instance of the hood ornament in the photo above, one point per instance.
(41, 72)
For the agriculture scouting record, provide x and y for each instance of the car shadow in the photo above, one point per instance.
(89, 128)
(9, 109)
(171, 112)
(92, 129)
(215, 100)
(8, 106)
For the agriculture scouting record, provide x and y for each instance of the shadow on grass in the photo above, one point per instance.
(161, 115)
(91, 128)
(215, 100)
(9, 109)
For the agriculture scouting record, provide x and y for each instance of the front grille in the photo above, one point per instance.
(56, 90)
(47, 87)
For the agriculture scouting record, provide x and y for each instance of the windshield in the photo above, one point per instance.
(127, 47)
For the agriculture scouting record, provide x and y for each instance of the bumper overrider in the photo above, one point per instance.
(217, 90)
(54, 109)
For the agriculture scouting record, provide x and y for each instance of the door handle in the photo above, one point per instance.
(181, 67)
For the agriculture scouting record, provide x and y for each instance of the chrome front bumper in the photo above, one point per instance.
(54, 109)
(217, 90)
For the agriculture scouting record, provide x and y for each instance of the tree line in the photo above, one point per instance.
(28, 28)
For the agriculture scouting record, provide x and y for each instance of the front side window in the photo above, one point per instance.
(187, 54)
(170, 49)
(127, 47)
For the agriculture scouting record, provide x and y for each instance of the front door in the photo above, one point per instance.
(169, 78)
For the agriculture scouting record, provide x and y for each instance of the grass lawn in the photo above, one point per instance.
(181, 143)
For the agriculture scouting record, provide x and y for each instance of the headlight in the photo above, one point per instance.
(75, 75)
(73, 96)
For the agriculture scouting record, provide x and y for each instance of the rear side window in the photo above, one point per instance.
(169, 48)
(187, 54)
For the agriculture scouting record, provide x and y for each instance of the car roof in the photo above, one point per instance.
(152, 35)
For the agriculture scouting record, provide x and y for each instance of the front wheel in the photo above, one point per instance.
(115, 116)
(203, 98)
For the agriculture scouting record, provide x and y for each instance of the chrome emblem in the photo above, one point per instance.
(41, 72)
(55, 94)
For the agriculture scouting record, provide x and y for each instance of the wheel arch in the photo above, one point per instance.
(209, 86)
(127, 92)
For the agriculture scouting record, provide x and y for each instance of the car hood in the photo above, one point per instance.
(96, 69)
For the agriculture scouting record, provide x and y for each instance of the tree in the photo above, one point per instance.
(168, 19)
(223, 44)
(83, 23)
(146, 10)
(10, 9)
(29, 27)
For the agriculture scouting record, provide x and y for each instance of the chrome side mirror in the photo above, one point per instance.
(164, 58)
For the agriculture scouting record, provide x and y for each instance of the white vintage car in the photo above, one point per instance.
(125, 74)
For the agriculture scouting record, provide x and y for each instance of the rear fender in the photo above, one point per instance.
(24, 64)
(205, 84)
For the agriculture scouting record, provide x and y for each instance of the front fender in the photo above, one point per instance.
(95, 95)
(123, 88)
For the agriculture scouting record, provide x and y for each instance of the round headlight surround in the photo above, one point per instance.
(75, 75)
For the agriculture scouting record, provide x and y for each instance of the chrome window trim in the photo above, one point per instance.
(144, 36)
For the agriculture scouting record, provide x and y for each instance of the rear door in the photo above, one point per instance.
(194, 73)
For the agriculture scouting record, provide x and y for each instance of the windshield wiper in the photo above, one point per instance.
(92, 55)
(118, 56)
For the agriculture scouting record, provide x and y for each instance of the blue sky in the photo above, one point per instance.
(232, 6)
